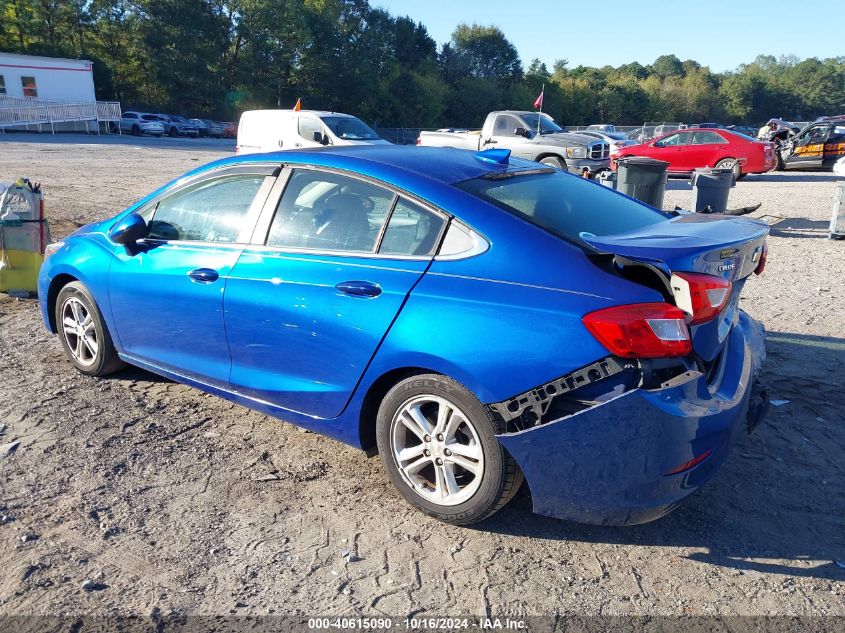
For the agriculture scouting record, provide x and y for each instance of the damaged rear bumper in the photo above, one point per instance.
(634, 458)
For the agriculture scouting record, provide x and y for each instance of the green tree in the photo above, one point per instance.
(485, 53)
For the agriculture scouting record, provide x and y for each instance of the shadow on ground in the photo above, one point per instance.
(801, 227)
(777, 505)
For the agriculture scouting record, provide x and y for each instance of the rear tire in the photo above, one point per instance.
(553, 161)
(136, 131)
(83, 333)
(173, 133)
(733, 164)
(438, 444)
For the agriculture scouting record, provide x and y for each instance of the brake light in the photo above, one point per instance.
(701, 296)
(419, 141)
(761, 264)
(641, 330)
(237, 149)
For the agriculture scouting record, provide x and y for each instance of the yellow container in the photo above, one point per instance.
(21, 273)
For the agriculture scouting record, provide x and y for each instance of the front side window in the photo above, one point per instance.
(563, 204)
(815, 134)
(707, 138)
(329, 212)
(349, 128)
(411, 231)
(547, 124)
(679, 138)
(506, 125)
(29, 88)
(210, 211)
(308, 127)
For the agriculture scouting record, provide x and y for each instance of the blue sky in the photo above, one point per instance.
(718, 33)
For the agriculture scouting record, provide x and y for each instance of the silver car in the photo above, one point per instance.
(138, 123)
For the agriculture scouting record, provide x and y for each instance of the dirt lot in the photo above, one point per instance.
(173, 501)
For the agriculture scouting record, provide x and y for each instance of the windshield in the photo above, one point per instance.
(547, 125)
(564, 204)
(349, 128)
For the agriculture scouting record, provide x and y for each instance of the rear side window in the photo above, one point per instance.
(329, 212)
(412, 230)
(564, 204)
(210, 211)
(707, 138)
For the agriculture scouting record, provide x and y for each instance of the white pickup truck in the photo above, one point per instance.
(529, 135)
(274, 130)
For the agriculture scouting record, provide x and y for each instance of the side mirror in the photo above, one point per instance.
(318, 137)
(129, 230)
(521, 131)
(657, 144)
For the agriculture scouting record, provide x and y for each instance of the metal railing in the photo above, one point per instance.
(24, 112)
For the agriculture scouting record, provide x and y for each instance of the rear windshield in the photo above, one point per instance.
(564, 204)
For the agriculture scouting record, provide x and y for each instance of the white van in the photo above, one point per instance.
(274, 130)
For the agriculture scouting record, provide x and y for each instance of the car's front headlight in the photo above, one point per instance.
(52, 248)
(576, 152)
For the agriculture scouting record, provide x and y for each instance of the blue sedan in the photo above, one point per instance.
(475, 319)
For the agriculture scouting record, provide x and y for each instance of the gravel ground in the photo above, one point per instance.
(172, 501)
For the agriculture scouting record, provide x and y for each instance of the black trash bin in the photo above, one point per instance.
(711, 188)
(642, 178)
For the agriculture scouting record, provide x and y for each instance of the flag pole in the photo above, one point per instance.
(542, 95)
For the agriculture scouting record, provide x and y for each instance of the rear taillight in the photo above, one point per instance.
(641, 330)
(761, 263)
(419, 141)
(237, 149)
(701, 296)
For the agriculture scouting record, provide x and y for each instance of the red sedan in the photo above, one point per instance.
(693, 148)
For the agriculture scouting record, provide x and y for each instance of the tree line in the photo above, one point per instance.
(217, 58)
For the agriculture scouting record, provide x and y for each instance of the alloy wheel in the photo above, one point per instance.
(437, 450)
(79, 331)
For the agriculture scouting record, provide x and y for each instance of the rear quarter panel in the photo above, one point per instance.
(509, 319)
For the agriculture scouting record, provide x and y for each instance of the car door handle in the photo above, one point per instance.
(359, 288)
(204, 275)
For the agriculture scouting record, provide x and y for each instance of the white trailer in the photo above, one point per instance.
(51, 91)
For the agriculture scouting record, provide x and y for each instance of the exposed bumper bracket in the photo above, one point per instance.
(540, 398)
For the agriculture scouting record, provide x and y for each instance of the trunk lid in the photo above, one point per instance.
(723, 246)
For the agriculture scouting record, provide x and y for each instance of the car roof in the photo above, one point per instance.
(390, 163)
(269, 112)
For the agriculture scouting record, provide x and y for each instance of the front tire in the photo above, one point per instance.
(439, 447)
(83, 333)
